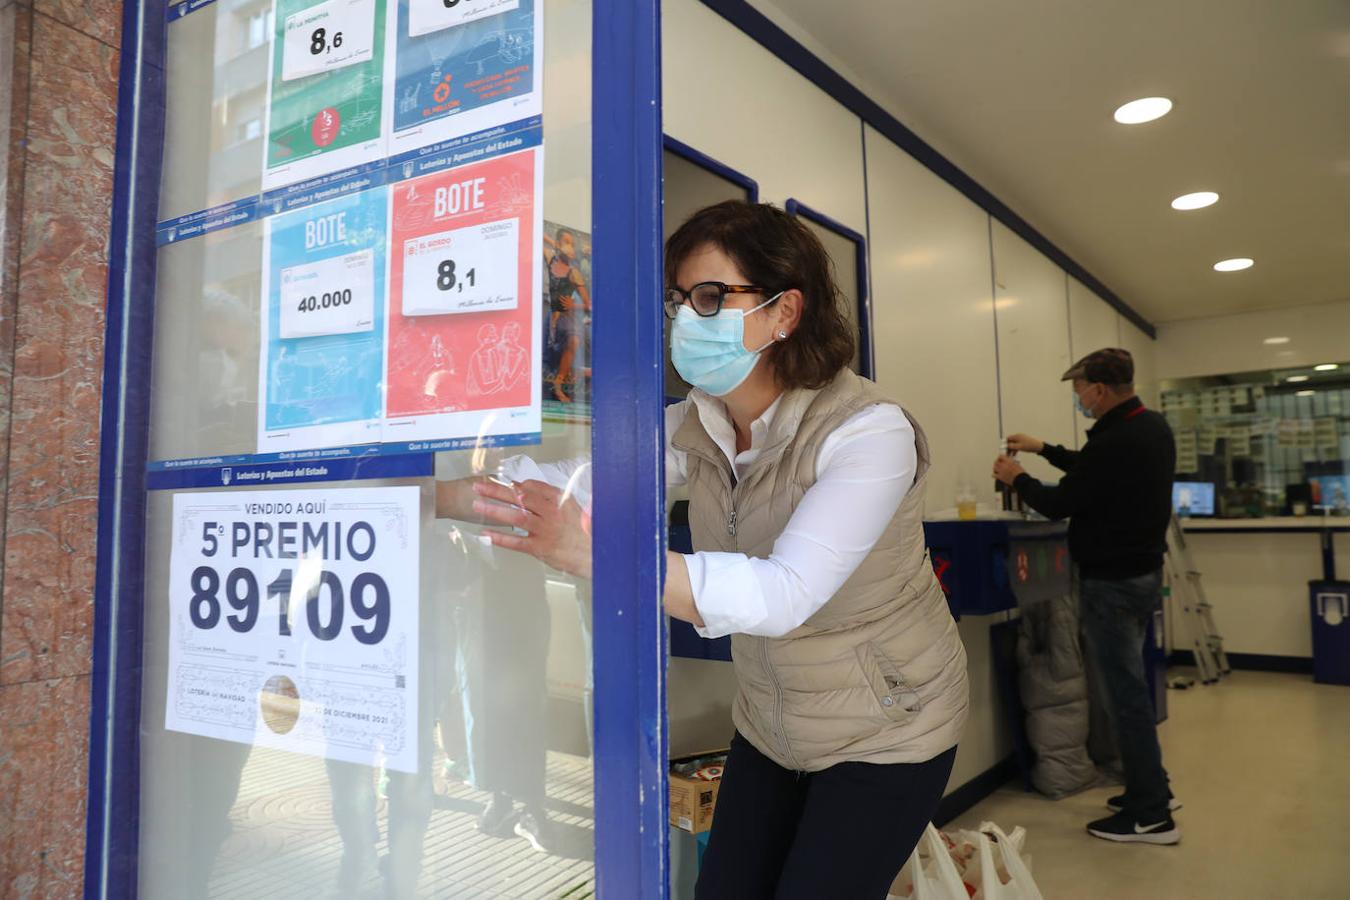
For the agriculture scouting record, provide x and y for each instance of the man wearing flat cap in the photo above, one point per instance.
(1117, 494)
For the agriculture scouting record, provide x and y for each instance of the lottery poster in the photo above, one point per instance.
(325, 108)
(464, 270)
(293, 621)
(462, 67)
(566, 309)
(323, 324)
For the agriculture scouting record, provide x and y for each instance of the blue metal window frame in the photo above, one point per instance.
(866, 352)
(630, 630)
(751, 186)
(112, 826)
(717, 167)
(631, 733)
(684, 641)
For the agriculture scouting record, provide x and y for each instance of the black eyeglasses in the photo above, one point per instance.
(706, 297)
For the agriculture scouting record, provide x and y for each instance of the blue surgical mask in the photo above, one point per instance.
(709, 351)
(1078, 405)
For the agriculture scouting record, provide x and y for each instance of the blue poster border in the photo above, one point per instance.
(392, 460)
(487, 144)
(186, 8)
(250, 474)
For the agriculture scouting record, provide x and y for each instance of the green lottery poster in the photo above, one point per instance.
(326, 109)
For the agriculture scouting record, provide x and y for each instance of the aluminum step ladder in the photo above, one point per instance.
(1185, 584)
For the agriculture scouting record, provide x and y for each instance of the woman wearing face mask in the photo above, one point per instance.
(805, 501)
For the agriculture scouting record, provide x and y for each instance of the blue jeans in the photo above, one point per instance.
(1115, 614)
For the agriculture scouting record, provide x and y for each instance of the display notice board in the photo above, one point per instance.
(402, 231)
(405, 313)
(293, 621)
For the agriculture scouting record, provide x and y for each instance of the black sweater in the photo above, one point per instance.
(1117, 491)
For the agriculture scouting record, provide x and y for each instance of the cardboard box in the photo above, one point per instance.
(694, 781)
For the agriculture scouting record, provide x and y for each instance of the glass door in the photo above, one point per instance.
(385, 320)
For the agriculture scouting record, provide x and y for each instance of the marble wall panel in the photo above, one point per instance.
(58, 356)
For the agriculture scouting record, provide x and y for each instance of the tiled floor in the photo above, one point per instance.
(284, 844)
(1262, 764)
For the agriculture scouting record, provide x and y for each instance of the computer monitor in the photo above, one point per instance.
(1193, 498)
(1331, 491)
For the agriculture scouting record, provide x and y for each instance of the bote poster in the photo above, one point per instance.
(465, 248)
(463, 66)
(325, 108)
(293, 621)
(323, 324)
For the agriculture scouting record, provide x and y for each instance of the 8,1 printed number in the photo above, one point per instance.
(445, 272)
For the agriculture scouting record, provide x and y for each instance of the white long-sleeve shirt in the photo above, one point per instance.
(863, 471)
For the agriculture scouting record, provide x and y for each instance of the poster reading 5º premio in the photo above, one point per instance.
(294, 621)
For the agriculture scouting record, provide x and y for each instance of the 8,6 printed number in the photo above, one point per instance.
(319, 43)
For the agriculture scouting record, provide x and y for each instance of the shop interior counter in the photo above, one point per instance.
(1269, 523)
(1324, 526)
(979, 563)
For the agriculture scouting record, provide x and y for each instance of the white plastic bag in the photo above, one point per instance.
(930, 871)
(1002, 872)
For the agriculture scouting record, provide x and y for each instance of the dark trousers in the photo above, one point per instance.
(843, 832)
(1115, 614)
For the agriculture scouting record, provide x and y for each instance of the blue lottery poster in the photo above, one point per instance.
(463, 68)
(323, 325)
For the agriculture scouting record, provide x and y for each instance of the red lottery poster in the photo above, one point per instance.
(463, 319)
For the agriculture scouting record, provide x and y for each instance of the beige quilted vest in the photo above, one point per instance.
(878, 674)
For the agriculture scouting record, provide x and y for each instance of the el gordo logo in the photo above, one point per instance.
(325, 128)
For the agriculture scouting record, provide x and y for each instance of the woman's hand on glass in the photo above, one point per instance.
(557, 530)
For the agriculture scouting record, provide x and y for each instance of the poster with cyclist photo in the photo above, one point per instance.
(293, 621)
(566, 365)
(323, 325)
(325, 109)
(463, 66)
(463, 345)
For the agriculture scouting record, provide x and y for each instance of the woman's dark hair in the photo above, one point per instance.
(777, 252)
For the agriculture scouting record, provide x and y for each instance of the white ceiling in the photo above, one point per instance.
(1020, 95)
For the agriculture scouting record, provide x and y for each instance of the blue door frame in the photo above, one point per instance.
(630, 629)
(866, 352)
(631, 795)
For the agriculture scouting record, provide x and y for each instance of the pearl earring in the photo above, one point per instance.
(782, 335)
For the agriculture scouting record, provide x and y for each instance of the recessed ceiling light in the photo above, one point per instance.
(1296, 379)
(1326, 367)
(1198, 200)
(1305, 393)
(1276, 340)
(1145, 109)
(1233, 265)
